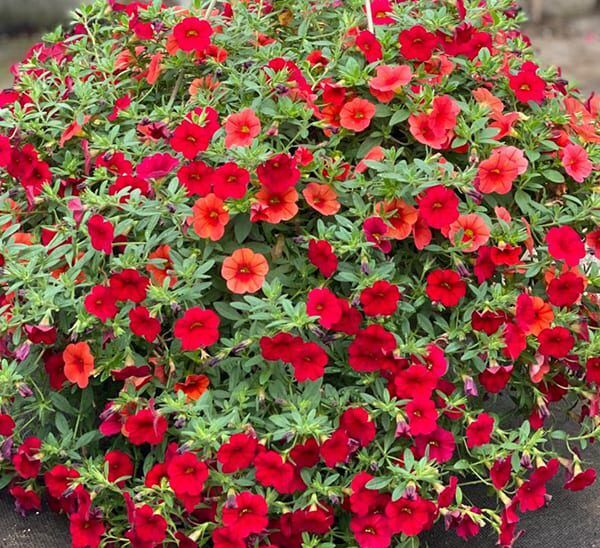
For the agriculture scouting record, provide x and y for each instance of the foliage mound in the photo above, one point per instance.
(295, 274)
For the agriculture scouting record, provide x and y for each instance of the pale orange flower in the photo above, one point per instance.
(245, 271)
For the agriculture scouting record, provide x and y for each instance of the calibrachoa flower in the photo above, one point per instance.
(265, 274)
(244, 271)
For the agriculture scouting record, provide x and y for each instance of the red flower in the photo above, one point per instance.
(531, 495)
(198, 328)
(479, 432)
(278, 173)
(367, 352)
(142, 324)
(500, 473)
(336, 449)
(446, 287)
(230, 181)
(187, 474)
(381, 299)
(147, 527)
(356, 115)
(271, 471)
(79, 363)
(576, 162)
(224, 537)
(102, 234)
(369, 46)
(555, 342)
(241, 128)
(592, 370)
(7, 425)
(415, 382)
(321, 255)
(26, 460)
(190, 139)
(129, 285)
(410, 516)
(309, 361)
(146, 426)
(196, 177)
(375, 231)
(566, 289)
(580, 481)
(209, 217)
(495, 378)
(244, 271)
(101, 303)
(156, 166)
(438, 206)
(422, 416)
(564, 244)
(280, 347)
(372, 531)
(247, 515)
(439, 444)
(358, 425)
(527, 85)
(25, 499)
(305, 455)
(324, 304)
(86, 528)
(417, 43)
(120, 466)
(193, 34)
(274, 207)
(238, 453)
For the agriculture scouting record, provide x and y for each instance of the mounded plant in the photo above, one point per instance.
(295, 274)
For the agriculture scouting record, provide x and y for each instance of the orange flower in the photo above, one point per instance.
(245, 271)
(209, 217)
(543, 316)
(274, 207)
(475, 232)
(160, 272)
(193, 387)
(399, 216)
(79, 363)
(322, 198)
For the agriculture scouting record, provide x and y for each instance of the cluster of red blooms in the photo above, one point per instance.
(296, 283)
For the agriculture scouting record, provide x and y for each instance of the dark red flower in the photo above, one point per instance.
(422, 416)
(479, 432)
(410, 516)
(101, 302)
(102, 233)
(309, 361)
(187, 474)
(278, 173)
(120, 466)
(336, 449)
(381, 299)
(358, 425)
(86, 528)
(324, 304)
(439, 444)
(555, 342)
(527, 85)
(417, 43)
(372, 531)
(148, 526)
(246, 515)
(272, 471)
(566, 289)
(564, 244)
(367, 352)
(580, 481)
(7, 425)
(198, 328)
(500, 473)
(446, 287)
(320, 254)
(230, 181)
(197, 178)
(146, 426)
(129, 285)
(438, 206)
(142, 324)
(238, 453)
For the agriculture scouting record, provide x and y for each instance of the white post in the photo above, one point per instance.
(369, 12)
